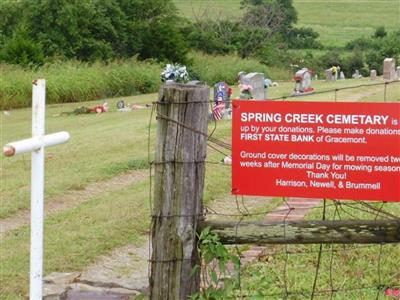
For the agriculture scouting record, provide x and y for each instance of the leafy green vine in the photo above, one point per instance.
(215, 258)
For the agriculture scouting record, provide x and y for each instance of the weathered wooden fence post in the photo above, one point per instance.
(179, 166)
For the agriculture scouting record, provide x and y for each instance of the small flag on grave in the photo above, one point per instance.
(217, 110)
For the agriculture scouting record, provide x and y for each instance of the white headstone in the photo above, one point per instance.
(356, 75)
(373, 74)
(240, 76)
(329, 75)
(342, 77)
(303, 81)
(389, 69)
(398, 72)
(256, 80)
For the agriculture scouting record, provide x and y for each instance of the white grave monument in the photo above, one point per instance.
(398, 72)
(356, 75)
(389, 69)
(36, 145)
(329, 74)
(303, 82)
(373, 74)
(256, 80)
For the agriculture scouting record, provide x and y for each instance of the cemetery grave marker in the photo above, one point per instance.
(356, 75)
(329, 74)
(221, 93)
(256, 80)
(36, 146)
(303, 82)
(373, 74)
(389, 69)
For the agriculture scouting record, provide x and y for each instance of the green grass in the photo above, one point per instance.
(75, 81)
(337, 21)
(343, 267)
(79, 82)
(371, 94)
(102, 146)
(341, 21)
(215, 68)
(73, 239)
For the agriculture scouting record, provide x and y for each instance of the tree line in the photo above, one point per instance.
(33, 32)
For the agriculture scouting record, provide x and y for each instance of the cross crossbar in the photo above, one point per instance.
(36, 145)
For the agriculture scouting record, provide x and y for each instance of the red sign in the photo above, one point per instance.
(336, 150)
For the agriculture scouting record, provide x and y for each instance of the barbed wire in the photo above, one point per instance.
(335, 90)
(355, 210)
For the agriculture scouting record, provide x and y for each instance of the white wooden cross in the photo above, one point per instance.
(36, 145)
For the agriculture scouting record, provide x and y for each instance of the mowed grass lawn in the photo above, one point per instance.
(337, 21)
(101, 147)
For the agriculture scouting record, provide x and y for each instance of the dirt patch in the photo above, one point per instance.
(125, 267)
(74, 198)
(120, 275)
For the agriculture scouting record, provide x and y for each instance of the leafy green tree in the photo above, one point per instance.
(387, 46)
(99, 29)
(303, 38)
(76, 29)
(281, 13)
(21, 50)
(264, 21)
(213, 36)
(10, 19)
(380, 32)
(354, 62)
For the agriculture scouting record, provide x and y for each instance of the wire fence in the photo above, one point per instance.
(337, 90)
(323, 271)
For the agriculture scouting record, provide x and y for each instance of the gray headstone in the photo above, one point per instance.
(389, 69)
(373, 74)
(356, 75)
(221, 93)
(342, 77)
(329, 75)
(256, 80)
(398, 72)
(240, 76)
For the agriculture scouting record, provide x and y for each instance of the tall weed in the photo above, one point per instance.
(74, 81)
(211, 69)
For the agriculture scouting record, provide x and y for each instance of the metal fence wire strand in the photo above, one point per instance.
(319, 255)
(332, 209)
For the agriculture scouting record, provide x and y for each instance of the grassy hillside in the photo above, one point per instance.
(76, 82)
(337, 21)
(105, 145)
(340, 21)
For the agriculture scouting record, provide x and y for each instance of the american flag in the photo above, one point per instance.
(217, 110)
